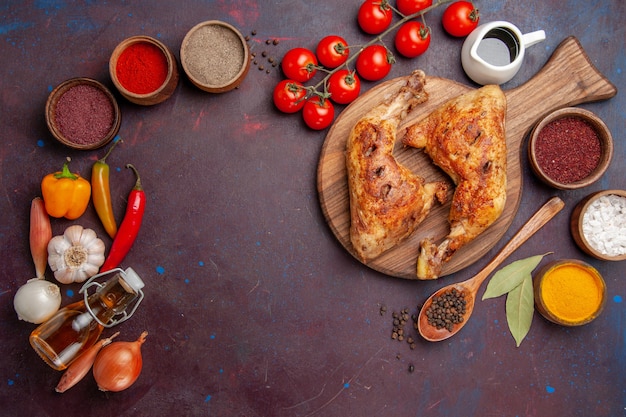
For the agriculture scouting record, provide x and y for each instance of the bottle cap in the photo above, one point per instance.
(132, 279)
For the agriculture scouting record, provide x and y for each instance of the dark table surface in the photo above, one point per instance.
(253, 308)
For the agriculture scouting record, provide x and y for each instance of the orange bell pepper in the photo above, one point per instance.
(65, 194)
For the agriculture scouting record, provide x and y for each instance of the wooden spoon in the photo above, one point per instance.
(470, 287)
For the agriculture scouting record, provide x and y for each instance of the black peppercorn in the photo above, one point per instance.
(447, 310)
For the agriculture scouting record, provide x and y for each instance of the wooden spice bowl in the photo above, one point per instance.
(582, 232)
(98, 129)
(569, 292)
(600, 129)
(160, 93)
(215, 56)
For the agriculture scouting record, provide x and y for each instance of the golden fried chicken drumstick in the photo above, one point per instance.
(466, 138)
(387, 200)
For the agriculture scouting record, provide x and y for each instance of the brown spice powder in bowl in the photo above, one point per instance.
(215, 56)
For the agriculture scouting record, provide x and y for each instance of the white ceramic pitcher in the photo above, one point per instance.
(493, 52)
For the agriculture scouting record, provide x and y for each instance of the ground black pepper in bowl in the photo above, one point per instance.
(215, 56)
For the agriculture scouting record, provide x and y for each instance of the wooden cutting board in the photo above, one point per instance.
(567, 79)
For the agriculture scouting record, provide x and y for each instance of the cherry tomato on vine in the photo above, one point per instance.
(408, 7)
(299, 64)
(460, 18)
(374, 62)
(318, 113)
(412, 39)
(374, 16)
(332, 51)
(289, 96)
(344, 86)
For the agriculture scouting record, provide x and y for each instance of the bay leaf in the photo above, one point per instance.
(512, 275)
(520, 307)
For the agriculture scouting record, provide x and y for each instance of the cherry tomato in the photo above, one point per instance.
(344, 86)
(460, 18)
(374, 62)
(412, 39)
(289, 96)
(318, 113)
(299, 64)
(332, 51)
(408, 7)
(374, 16)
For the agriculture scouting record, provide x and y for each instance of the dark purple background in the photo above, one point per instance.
(252, 305)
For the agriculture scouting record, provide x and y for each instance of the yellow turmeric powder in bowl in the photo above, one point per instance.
(569, 292)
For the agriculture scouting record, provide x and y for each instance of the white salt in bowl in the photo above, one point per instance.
(598, 225)
(215, 56)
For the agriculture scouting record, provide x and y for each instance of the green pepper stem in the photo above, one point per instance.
(137, 186)
(103, 159)
(66, 173)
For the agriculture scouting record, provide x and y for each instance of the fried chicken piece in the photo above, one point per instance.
(387, 200)
(466, 138)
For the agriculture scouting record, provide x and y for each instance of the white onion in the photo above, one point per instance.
(37, 300)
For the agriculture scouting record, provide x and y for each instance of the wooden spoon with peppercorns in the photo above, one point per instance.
(469, 288)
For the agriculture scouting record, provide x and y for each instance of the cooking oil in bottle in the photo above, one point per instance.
(77, 326)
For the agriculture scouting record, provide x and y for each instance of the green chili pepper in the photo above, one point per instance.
(101, 193)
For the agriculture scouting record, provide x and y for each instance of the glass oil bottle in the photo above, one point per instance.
(77, 326)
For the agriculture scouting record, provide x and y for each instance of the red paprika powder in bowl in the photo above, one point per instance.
(82, 113)
(570, 148)
(143, 70)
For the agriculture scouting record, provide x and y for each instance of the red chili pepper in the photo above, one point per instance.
(128, 230)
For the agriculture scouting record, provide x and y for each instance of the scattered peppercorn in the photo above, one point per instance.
(411, 368)
(398, 332)
(265, 54)
(447, 309)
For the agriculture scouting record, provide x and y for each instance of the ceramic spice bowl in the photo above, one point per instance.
(598, 225)
(569, 292)
(143, 70)
(570, 148)
(83, 114)
(215, 56)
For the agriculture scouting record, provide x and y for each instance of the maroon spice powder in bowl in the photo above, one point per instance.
(570, 148)
(82, 113)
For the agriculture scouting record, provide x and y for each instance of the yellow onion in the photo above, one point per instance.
(79, 368)
(119, 364)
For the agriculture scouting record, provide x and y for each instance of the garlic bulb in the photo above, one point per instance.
(76, 255)
(37, 300)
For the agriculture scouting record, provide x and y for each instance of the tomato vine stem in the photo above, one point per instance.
(378, 39)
